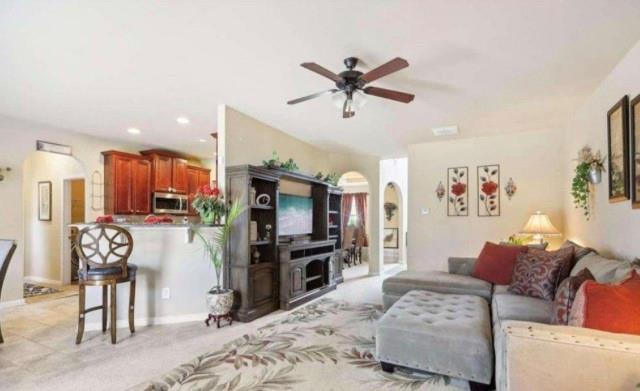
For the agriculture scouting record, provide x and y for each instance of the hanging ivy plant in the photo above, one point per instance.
(580, 188)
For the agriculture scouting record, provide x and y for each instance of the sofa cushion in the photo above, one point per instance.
(507, 306)
(538, 273)
(495, 262)
(439, 333)
(435, 281)
(579, 251)
(608, 307)
(565, 295)
(604, 270)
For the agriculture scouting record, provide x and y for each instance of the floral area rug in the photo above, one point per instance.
(31, 290)
(326, 345)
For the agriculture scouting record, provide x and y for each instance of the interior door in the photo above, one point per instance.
(179, 174)
(123, 178)
(142, 187)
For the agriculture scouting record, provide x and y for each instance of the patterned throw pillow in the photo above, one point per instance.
(565, 294)
(537, 273)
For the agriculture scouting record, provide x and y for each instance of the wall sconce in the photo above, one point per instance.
(510, 188)
(440, 190)
(6, 169)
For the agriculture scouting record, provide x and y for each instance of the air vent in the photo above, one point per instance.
(445, 130)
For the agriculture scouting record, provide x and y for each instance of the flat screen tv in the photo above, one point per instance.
(295, 215)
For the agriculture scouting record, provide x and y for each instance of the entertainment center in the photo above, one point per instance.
(286, 249)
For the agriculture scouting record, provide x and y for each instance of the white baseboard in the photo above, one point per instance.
(12, 303)
(36, 279)
(124, 323)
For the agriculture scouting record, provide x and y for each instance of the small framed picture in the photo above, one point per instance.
(44, 201)
(391, 238)
(618, 140)
(634, 121)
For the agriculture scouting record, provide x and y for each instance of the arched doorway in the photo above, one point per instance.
(393, 217)
(356, 217)
(54, 183)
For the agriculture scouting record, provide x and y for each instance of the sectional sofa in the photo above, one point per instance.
(530, 353)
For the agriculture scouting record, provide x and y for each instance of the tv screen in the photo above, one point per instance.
(295, 215)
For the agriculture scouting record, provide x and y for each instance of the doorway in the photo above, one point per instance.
(355, 224)
(393, 234)
(73, 212)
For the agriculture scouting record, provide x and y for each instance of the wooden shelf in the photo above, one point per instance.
(333, 236)
(262, 207)
(334, 226)
(333, 212)
(313, 278)
(259, 242)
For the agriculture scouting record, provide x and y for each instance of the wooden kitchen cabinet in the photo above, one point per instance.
(179, 176)
(169, 171)
(196, 177)
(127, 183)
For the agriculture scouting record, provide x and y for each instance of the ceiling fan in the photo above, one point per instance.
(352, 81)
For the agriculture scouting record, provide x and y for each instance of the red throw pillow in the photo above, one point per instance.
(565, 295)
(495, 263)
(608, 307)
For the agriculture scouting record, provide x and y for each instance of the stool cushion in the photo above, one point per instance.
(448, 334)
(105, 271)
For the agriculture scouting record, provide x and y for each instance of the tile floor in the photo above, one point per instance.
(40, 351)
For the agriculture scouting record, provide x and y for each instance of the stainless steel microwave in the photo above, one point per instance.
(171, 203)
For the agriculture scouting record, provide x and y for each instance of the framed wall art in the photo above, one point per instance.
(44, 201)
(458, 194)
(618, 140)
(489, 190)
(390, 238)
(634, 122)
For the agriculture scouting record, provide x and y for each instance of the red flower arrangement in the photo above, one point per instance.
(209, 203)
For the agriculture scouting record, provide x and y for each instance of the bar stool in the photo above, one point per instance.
(103, 251)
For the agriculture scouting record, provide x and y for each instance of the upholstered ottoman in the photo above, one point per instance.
(448, 334)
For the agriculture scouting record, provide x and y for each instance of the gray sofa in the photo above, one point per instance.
(522, 335)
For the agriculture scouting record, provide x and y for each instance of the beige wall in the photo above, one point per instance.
(614, 228)
(531, 158)
(19, 140)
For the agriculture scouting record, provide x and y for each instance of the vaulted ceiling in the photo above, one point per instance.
(487, 66)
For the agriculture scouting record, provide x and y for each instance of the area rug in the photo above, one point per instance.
(31, 290)
(326, 345)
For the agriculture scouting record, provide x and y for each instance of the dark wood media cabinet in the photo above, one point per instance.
(306, 271)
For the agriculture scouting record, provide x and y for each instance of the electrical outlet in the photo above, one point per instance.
(166, 293)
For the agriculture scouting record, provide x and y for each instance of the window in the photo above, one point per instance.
(353, 216)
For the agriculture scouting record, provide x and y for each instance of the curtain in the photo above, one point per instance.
(347, 202)
(361, 210)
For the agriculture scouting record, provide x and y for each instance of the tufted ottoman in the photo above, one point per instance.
(447, 334)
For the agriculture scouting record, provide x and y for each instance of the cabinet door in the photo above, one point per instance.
(122, 185)
(163, 167)
(204, 178)
(296, 279)
(142, 187)
(192, 185)
(262, 286)
(179, 175)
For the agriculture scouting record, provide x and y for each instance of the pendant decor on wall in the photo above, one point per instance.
(634, 120)
(489, 190)
(511, 188)
(457, 180)
(440, 191)
(618, 138)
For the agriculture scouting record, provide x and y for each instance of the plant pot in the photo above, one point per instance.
(208, 218)
(220, 301)
(595, 175)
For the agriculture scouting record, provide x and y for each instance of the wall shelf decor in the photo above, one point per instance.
(618, 142)
(489, 190)
(458, 199)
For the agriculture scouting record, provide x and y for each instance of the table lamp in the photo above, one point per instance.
(540, 226)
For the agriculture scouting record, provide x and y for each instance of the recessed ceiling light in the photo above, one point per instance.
(183, 120)
(202, 140)
(445, 130)
(133, 130)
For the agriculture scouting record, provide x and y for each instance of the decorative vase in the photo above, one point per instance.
(595, 175)
(219, 301)
(208, 218)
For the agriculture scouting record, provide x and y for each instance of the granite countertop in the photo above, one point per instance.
(142, 225)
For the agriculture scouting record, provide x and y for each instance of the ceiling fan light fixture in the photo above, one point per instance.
(358, 100)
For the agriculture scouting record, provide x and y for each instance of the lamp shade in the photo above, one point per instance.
(539, 224)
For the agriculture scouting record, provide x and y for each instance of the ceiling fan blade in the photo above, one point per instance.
(312, 66)
(308, 97)
(389, 94)
(383, 70)
(346, 110)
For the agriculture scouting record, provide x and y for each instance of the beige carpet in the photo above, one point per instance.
(327, 345)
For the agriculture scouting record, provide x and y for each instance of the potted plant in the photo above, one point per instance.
(588, 170)
(220, 300)
(209, 204)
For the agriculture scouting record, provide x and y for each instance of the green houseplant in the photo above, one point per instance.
(209, 203)
(220, 300)
(588, 171)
